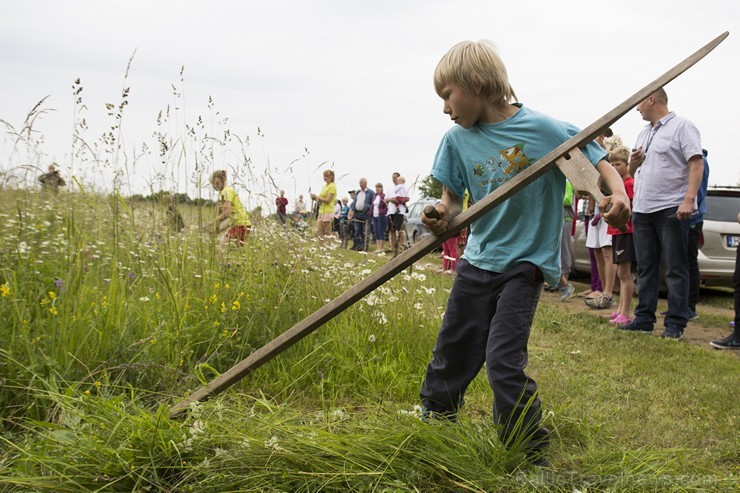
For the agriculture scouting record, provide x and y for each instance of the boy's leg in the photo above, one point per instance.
(516, 405)
(461, 344)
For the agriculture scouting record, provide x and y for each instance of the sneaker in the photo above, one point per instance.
(620, 320)
(568, 292)
(635, 326)
(601, 302)
(427, 414)
(729, 342)
(673, 333)
(535, 448)
(550, 289)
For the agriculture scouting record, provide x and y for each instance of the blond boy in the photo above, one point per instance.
(510, 251)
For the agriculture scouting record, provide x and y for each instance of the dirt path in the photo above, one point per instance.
(696, 332)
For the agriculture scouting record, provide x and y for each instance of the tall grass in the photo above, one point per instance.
(99, 342)
(108, 318)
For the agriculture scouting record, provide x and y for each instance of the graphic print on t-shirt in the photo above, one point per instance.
(508, 164)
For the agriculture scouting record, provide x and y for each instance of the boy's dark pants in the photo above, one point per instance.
(488, 319)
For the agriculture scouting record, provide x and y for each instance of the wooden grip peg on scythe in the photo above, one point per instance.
(566, 156)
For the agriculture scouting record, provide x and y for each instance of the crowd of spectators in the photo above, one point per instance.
(366, 219)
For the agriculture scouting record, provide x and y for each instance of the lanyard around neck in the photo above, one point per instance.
(650, 135)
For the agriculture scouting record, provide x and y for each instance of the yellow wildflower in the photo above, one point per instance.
(235, 305)
(4, 290)
(52, 295)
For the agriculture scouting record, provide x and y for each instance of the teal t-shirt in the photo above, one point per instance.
(527, 227)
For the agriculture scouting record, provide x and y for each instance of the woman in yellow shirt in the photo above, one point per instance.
(326, 206)
(231, 210)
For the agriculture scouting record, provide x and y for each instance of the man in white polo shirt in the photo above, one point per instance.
(667, 166)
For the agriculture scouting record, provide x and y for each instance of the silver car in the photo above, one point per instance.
(415, 229)
(721, 237)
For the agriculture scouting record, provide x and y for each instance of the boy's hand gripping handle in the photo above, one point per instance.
(431, 212)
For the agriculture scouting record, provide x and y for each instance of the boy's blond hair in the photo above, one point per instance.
(470, 65)
(620, 154)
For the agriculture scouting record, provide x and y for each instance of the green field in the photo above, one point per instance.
(109, 319)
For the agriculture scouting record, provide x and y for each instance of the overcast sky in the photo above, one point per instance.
(348, 81)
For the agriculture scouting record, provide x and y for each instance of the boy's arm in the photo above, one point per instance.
(619, 212)
(448, 208)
